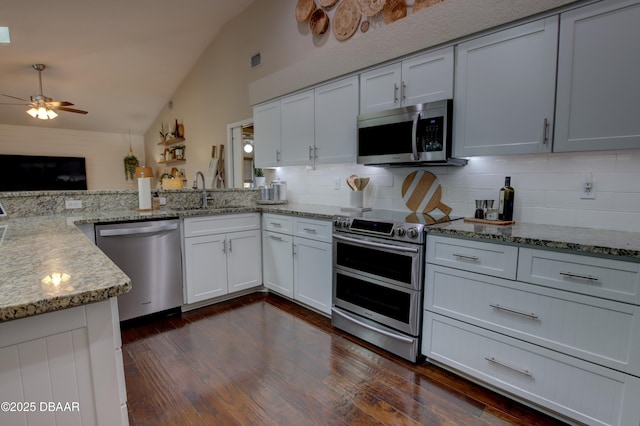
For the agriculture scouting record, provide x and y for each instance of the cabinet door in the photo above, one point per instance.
(380, 88)
(598, 69)
(277, 262)
(428, 77)
(505, 91)
(266, 123)
(297, 120)
(244, 260)
(312, 273)
(336, 127)
(205, 267)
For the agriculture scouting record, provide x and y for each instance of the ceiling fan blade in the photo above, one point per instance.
(13, 97)
(59, 103)
(61, 108)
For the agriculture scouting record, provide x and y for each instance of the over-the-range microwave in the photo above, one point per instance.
(409, 136)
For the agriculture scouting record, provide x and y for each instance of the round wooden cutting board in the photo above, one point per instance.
(421, 192)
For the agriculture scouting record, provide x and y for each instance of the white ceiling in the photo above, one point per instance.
(121, 60)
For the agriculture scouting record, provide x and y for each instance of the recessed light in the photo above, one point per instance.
(4, 35)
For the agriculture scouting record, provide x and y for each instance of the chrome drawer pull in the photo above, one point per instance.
(273, 237)
(275, 224)
(583, 277)
(464, 256)
(510, 367)
(514, 311)
(313, 231)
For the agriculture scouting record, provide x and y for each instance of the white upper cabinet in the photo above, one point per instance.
(424, 78)
(428, 77)
(336, 130)
(598, 71)
(297, 125)
(266, 123)
(505, 91)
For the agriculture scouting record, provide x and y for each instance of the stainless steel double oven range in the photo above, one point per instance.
(378, 277)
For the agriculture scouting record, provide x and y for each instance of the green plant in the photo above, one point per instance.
(258, 172)
(130, 164)
(164, 132)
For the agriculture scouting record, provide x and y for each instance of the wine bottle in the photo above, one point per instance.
(507, 194)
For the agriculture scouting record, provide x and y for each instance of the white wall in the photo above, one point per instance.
(104, 152)
(547, 187)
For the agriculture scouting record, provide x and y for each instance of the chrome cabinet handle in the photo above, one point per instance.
(230, 247)
(514, 311)
(395, 93)
(224, 246)
(310, 152)
(273, 237)
(311, 230)
(277, 155)
(464, 256)
(545, 129)
(404, 91)
(414, 137)
(582, 277)
(510, 367)
(276, 224)
(315, 152)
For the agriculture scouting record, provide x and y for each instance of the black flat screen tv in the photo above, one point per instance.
(42, 173)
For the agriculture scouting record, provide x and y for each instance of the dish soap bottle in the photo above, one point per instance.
(505, 206)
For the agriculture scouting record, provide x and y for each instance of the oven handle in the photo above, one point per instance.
(368, 327)
(376, 245)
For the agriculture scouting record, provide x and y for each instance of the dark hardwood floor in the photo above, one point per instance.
(261, 359)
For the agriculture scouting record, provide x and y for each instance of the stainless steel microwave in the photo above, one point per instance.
(409, 136)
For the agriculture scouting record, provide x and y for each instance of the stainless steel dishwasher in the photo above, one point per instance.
(149, 253)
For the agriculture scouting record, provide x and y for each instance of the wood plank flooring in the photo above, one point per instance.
(263, 360)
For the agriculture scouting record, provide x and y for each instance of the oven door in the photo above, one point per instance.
(396, 307)
(392, 262)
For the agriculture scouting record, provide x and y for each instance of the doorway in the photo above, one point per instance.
(240, 154)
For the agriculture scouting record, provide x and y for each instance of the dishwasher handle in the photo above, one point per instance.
(137, 231)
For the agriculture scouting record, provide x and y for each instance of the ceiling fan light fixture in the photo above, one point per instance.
(33, 112)
(51, 114)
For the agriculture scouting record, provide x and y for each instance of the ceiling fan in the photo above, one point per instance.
(43, 107)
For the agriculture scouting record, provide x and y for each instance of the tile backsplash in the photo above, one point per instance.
(548, 186)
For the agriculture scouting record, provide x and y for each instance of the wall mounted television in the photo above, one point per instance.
(42, 173)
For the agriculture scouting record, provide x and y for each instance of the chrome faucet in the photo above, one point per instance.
(204, 189)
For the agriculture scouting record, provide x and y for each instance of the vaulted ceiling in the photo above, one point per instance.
(121, 60)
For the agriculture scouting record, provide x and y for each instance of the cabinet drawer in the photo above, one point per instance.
(597, 330)
(314, 229)
(277, 223)
(475, 256)
(577, 389)
(206, 225)
(607, 278)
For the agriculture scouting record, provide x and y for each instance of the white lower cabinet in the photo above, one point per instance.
(297, 256)
(577, 389)
(71, 358)
(564, 335)
(277, 259)
(312, 273)
(218, 262)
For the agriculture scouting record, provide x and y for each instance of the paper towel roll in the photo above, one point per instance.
(144, 193)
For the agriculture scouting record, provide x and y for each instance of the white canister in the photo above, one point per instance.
(357, 199)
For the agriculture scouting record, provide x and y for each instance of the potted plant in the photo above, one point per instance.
(179, 151)
(258, 177)
(164, 132)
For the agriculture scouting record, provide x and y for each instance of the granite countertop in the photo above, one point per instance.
(34, 248)
(585, 241)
